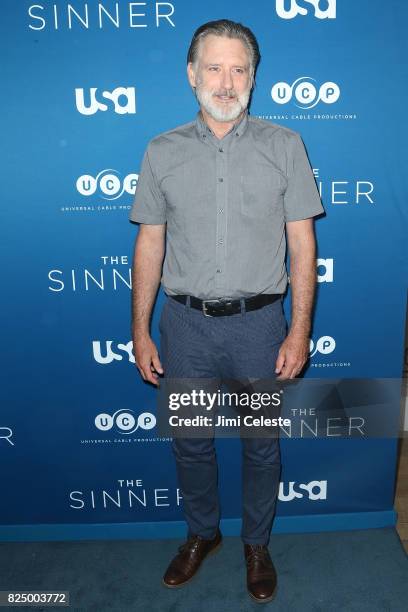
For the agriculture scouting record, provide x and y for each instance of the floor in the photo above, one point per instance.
(348, 571)
(401, 498)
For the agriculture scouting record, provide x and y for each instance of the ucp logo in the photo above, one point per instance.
(122, 109)
(124, 421)
(319, 485)
(108, 183)
(324, 345)
(329, 11)
(306, 94)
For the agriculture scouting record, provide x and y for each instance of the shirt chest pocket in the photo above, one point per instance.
(261, 194)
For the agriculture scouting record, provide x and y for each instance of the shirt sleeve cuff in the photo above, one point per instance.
(148, 219)
(305, 215)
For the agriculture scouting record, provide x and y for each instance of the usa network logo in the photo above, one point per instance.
(305, 92)
(107, 184)
(325, 270)
(109, 355)
(315, 490)
(122, 100)
(289, 9)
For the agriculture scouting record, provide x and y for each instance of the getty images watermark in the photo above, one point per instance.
(298, 408)
(210, 401)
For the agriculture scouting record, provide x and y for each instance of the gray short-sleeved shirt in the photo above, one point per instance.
(225, 203)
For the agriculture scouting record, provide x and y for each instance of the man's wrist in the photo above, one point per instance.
(299, 331)
(141, 333)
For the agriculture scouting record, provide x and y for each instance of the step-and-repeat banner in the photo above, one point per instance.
(86, 85)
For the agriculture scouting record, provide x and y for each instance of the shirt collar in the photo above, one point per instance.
(238, 128)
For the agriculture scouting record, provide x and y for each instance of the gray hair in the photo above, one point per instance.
(229, 29)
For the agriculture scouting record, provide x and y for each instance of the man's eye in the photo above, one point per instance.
(239, 70)
(213, 68)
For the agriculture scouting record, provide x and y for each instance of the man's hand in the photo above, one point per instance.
(292, 356)
(147, 359)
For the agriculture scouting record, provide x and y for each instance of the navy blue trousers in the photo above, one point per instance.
(232, 347)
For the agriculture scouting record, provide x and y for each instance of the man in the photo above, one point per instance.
(214, 199)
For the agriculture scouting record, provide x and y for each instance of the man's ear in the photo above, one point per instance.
(191, 75)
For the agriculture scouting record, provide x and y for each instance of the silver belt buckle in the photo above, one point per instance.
(204, 306)
(218, 301)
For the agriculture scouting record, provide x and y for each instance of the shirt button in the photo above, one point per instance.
(221, 210)
(218, 270)
(221, 150)
(221, 180)
(220, 241)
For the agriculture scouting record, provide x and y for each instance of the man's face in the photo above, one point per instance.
(222, 79)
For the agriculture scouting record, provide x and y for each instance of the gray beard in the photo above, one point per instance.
(230, 112)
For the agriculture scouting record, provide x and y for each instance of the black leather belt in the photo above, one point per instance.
(223, 307)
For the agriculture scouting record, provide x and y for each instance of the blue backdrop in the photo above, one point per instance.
(87, 84)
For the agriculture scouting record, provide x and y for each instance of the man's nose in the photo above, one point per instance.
(226, 79)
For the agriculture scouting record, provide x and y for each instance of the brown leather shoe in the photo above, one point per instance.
(261, 574)
(189, 558)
